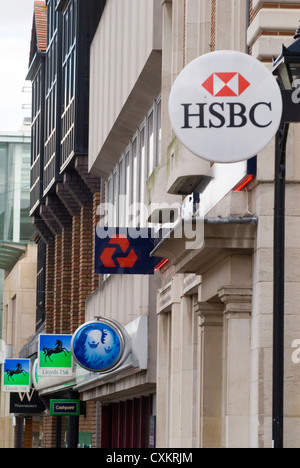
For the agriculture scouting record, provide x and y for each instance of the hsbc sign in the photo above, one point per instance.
(225, 106)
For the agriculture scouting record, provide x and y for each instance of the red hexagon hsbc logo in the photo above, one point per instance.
(226, 84)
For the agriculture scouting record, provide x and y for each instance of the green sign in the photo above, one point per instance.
(64, 408)
(16, 375)
(55, 358)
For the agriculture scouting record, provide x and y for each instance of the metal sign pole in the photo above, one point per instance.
(278, 286)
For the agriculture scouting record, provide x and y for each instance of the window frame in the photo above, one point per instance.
(133, 170)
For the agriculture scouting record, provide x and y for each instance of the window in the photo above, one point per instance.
(135, 172)
(122, 192)
(126, 185)
(115, 196)
(143, 174)
(150, 143)
(128, 192)
(158, 133)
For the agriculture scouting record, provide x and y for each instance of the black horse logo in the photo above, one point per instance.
(57, 350)
(19, 370)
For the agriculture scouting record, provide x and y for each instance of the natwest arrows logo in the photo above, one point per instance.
(122, 243)
(226, 84)
(125, 251)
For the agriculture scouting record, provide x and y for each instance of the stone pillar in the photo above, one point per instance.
(177, 366)
(188, 370)
(163, 379)
(236, 366)
(169, 364)
(211, 326)
(175, 371)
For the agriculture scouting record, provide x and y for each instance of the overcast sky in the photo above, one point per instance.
(15, 34)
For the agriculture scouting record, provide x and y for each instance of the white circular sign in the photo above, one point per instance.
(225, 106)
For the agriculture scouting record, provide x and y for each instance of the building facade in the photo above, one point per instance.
(125, 151)
(19, 318)
(214, 304)
(200, 372)
(64, 196)
(17, 260)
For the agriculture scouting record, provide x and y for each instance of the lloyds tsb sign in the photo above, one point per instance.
(225, 106)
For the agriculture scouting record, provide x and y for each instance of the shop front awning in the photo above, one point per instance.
(10, 252)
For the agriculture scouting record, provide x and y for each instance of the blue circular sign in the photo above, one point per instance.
(98, 346)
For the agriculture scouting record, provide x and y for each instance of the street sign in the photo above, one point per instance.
(16, 375)
(26, 403)
(124, 251)
(225, 106)
(64, 408)
(54, 356)
(101, 346)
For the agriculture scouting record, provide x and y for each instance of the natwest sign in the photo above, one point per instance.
(225, 106)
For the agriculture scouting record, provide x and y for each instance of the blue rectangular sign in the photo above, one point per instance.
(125, 251)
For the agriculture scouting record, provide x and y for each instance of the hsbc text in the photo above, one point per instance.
(230, 115)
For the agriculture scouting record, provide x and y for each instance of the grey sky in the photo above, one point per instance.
(15, 33)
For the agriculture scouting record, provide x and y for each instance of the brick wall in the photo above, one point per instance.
(88, 423)
(70, 276)
(49, 432)
(57, 283)
(85, 258)
(252, 13)
(74, 307)
(28, 433)
(213, 24)
(70, 279)
(66, 280)
(49, 288)
(96, 203)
